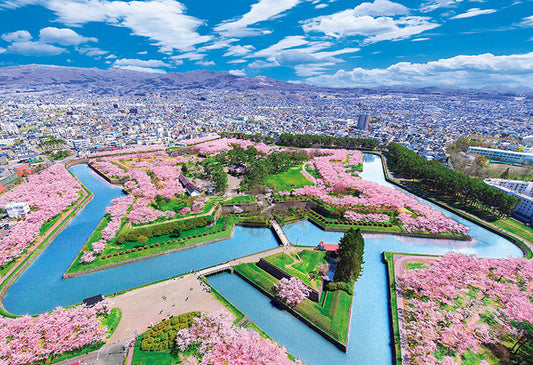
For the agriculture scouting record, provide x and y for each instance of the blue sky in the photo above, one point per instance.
(463, 43)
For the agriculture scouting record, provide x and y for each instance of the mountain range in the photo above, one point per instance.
(116, 81)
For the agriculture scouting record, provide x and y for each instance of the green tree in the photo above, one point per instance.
(351, 250)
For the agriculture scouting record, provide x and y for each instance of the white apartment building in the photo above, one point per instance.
(502, 155)
(520, 189)
(17, 210)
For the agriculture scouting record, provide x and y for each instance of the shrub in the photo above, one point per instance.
(142, 239)
(128, 250)
(340, 285)
(146, 247)
(121, 253)
(109, 255)
(152, 245)
(103, 257)
(115, 254)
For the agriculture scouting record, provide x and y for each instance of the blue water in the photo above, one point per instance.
(41, 287)
(369, 339)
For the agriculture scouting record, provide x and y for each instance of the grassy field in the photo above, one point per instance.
(516, 228)
(240, 199)
(288, 180)
(174, 205)
(301, 265)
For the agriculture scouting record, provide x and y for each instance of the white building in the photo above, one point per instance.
(17, 210)
(502, 155)
(520, 189)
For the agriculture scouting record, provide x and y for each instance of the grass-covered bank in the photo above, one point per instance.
(130, 250)
(330, 316)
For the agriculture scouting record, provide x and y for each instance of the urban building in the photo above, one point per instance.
(520, 189)
(502, 155)
(17, 210)
(362, 122)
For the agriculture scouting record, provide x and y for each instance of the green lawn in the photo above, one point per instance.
(516, 228)
(415, 265)
(305, 270)
(288, 180)
(240, 199)
(174, 205)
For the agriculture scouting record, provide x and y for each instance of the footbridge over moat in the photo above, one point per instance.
(228, 266)
(282, 237)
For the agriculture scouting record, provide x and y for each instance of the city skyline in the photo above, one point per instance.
(446, 43)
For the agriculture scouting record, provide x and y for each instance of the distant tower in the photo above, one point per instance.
(362, 122)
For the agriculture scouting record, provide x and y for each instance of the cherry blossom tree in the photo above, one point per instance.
(26, 339)
(220, 343)
(291, 291)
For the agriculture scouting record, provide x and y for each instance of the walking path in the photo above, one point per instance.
(307, 175)
(399, 261)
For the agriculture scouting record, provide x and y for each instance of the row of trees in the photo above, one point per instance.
(309, 140)
(445, 183)
(174, 228)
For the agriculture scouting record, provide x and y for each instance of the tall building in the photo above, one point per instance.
(362, 122)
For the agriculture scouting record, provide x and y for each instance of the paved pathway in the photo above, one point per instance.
(399, 261)
(307, 175)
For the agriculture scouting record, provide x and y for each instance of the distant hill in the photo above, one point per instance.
(120, 81)
(116, 81)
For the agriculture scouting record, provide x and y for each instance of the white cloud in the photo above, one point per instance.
(142, 69)
(380, 8)
(141, 63)
(91, 51)
(286, 43)
(460, 71)
(205, 63)
(527, 21)
(192, 56)
(321, 6)
(237, 61)
(151, 66)
(420, 39)
(473, 12)
(162, 21)
(377, 21)
(30, 48)
(431, 5)
(261, 11)
(239, 50)
(21, 43)
(310, 69)
(237, 72)
(18, 36)
(2, 50)
(63, 36)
